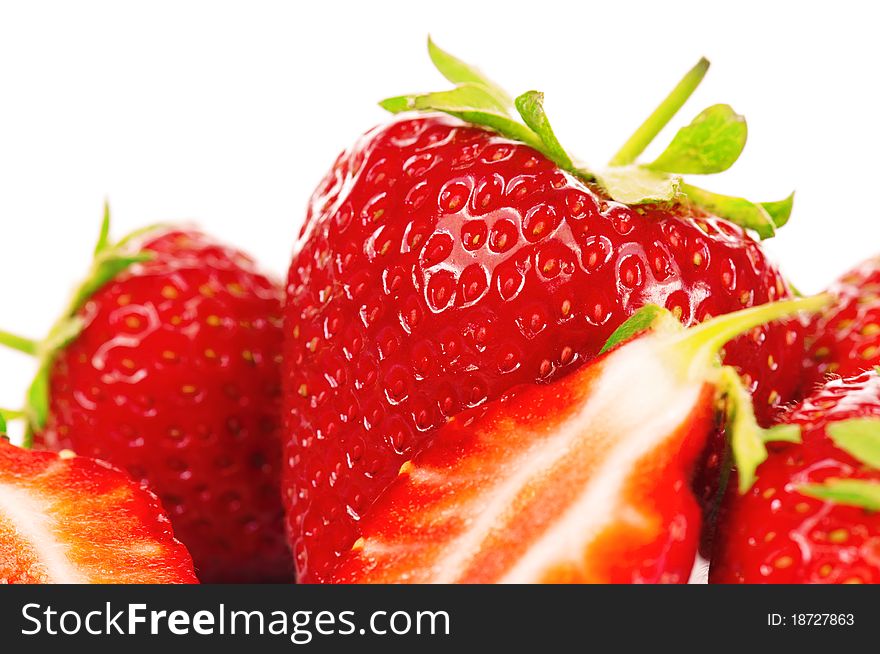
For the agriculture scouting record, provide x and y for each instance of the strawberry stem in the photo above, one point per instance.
(701, 344)
(11, 414)
(696, 349)
(25, 345)
(661, 116)
(746, 437)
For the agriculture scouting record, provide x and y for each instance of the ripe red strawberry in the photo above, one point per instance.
(813, 516)
(845, 339)
(583, 480)
(441, 264)
(167, 365)
(69, 519)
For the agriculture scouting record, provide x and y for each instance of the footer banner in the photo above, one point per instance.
(330, 618)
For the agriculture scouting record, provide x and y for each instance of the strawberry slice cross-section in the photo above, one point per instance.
(74, 520)
(543, 477)
(583, 480)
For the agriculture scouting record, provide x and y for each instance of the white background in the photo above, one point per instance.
(229, 113)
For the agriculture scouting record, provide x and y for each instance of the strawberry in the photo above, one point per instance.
(845, 339)
(69, 519)
(813, 515)
(167, 365)
(447, 258)
(582, 480)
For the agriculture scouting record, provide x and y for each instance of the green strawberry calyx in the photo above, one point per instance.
(860, 493)
(710, 144)
(860, 438)
(110, 259)
(696, 349)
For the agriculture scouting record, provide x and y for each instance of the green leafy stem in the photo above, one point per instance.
(860, 438)
(710, 144)
(110, 259)
(699, 346)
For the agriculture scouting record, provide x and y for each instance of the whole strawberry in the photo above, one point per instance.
(167, 365)
(447, 258)
(845, 340)
(813, 515)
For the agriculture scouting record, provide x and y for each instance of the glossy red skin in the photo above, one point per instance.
(412, 520)
(441, 265)
(176, 379)
(773, 533)
(111, 528)
(845, 339)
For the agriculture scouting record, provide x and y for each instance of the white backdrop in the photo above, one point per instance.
(229, 113)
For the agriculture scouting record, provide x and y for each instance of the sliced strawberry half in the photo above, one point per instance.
(583, 480)
(68, 519)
